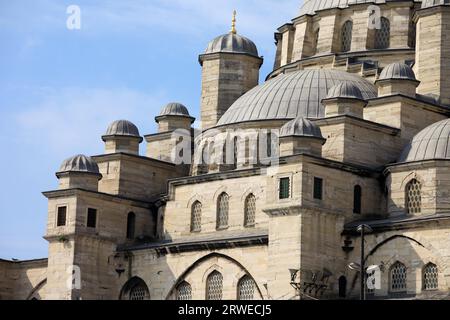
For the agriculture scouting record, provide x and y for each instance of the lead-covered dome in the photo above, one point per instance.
(300, 127)
(431, 143)
(122, 128)
(432, 3)
(174, 109)
(292, 95)
(232, 43)
(397, 71)
(346, 90)
(79, 163)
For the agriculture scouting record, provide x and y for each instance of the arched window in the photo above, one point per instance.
(397, 276)
(430, 277)
(235, 152)
(357, 194)
(135, 289)
(184, 291)
(250, 211)
(346, 36)
(246, 289)
(413, 197)
(214, 286)
(131, 225)
(196, 217)
(383, 35)
(342, 287)
(222, 211)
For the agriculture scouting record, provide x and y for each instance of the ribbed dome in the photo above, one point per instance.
(311, 6)
(345, 90)
(432, 3)
(79, 163)
(122, 128)
(397, 71)
(300, 127)
(291, 95)
(174, 109)
(431, 143)
(232, 43)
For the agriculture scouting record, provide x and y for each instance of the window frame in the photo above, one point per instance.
(128, 237)
(322, 188)
(279, 179)
(343, 46)
(424, 271)
(246, 224)
(408, 199)
(199, 229)
(96, 218)
(357, 201)
(207, 289)
(398, 291)
(238, 287)
(220, 227)
(66, 218)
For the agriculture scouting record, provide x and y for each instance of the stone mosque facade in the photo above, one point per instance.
(355, 120)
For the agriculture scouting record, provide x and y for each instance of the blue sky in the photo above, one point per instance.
(59, 89)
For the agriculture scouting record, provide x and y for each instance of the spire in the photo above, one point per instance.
(233, 23)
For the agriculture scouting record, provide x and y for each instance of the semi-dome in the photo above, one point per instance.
(397, 71)
(431, 143)
(232, 43)
(312, 6)
(291, 95)
(346, 90)
(432, 3)
(174, 109)
(300, 127)
(122, 128)
(80, 163)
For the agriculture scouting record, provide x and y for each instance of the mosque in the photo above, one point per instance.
(264, 201)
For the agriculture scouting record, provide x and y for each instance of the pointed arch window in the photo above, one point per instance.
(430, 277)
(250, 211)
(397, 276)
(315, 44)
(139, 292)
(413, 197)
(222, 211)
(196, 217)
(184, 291)
(346, 36)
(131, 225)
(246, 288)
(383, 35)
(214, 286)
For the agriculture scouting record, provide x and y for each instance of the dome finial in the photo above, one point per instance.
(233, 23)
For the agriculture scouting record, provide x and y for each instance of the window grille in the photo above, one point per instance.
(184, 291)
(214, 286)
(246, 289)
(196, 217)
(430, 277)
(250, 211)
(222, 211)
(398, 277)
(285, 188)
(139, 292)
(413, 197)
(382, 35)
(62, 217)
(346, 36)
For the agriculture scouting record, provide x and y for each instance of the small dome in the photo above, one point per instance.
(232, 43)
(174, 109)
(432, 3)
(345, 90)
(431, 143)
(399, 71)
(80, 163)
(122, 128)
(301, 127)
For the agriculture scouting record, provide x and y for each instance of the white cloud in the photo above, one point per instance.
(71, 120)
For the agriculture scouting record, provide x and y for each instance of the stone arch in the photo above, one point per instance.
(193, 199)
(214, 267)
(132, 284)
(34, 294)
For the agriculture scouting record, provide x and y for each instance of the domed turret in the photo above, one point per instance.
(122, 136)
(230, 68)
(344, 98)
(397, 78)
(79, 171)
(174, 116)
(300, 135)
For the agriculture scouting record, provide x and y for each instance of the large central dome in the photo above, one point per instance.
(291, 95)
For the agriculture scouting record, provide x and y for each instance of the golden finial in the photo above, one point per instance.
(233, 23)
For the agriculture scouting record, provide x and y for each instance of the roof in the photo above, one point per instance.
(431, 143)
(345, 90)
(398, 71)
(292, 95)
(312, 6)
(174, 109)
(122, 128)
(301, 127)
(432, 3)
(80, 163)
(232, 43)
